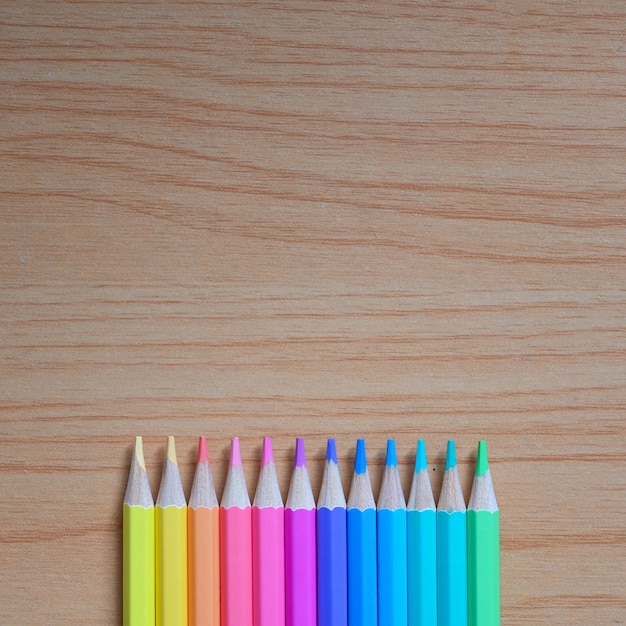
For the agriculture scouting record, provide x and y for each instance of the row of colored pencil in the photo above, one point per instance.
(337, 563)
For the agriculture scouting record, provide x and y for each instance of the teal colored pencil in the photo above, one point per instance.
(451, 548)
(422, 545)
(483, 547)
(362, 576)
(392, 546)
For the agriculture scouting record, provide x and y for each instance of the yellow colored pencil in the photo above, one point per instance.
(171, 545)
(138, 545)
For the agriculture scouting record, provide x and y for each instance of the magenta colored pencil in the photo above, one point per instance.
(300, 546)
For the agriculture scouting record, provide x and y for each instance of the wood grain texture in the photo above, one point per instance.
(312, 218)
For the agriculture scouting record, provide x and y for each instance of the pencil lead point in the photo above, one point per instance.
(391, 460)
(482, 462)
(139, 452)
(420, 456)
(170, 451)
(268, 455)
(360, 460)
(450, 456)
(331, 451)
(235, 452)
(300, 458)
(203, 451)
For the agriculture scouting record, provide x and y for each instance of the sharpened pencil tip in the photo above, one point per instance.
(268, 454)
(203, 451)
(170, 451)
(420, 456)
(300, 458)
(235, 452)
(139, 452)
(360, 460)
(391, 460)
(450, 456)
(331, 451)
(482, 462)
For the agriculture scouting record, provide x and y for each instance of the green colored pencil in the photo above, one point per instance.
(483, 547)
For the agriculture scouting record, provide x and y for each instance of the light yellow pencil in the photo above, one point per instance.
(171, 545)
(138, 544)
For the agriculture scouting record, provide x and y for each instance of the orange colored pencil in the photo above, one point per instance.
(203, 536)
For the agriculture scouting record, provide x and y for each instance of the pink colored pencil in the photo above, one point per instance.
(236, 545)
(300, 546)
(268, 545)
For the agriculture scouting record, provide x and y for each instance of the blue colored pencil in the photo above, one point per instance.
(421, 518)
(392, 546)
(362, 575)
(332, 549)
(451, 547)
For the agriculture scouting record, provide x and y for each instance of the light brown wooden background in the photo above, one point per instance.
(313, 218)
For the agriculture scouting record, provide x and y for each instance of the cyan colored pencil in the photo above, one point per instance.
(422, 545)
(392, 546)
(451, 548)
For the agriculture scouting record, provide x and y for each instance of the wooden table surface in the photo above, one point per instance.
(313, 218)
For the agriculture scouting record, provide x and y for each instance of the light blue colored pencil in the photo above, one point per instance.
(422, 545)
(362, 575)
(451, 547)
(392, 546)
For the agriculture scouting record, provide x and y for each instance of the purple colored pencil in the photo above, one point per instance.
(300, 546)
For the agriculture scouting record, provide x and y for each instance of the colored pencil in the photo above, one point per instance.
(236, 545)
(451, 547)
(203, 545)
(332, 548)
(392, 545)
(300, 566)
(422, 545)
(138, 544)
(268, 545)
(483, 547)
(171, 545)
(362, 575)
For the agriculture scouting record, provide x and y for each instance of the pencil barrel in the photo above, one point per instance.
(362, 569)
(483, 568)
(203, 566)
(268, 566)
(392, 567)
(138, 566)
(451, 568)
(236, 566)
(300, 568)
(422, 567)
(332, 567)
(171, 566)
